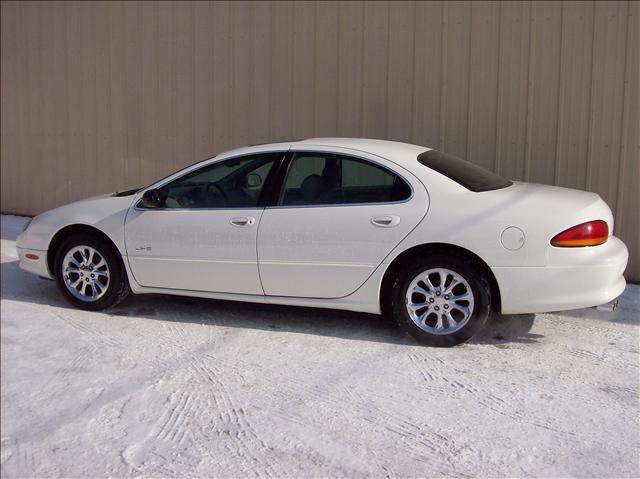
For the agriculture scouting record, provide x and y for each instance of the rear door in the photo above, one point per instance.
(338, 216)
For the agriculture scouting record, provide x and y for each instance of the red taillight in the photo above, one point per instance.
(591, 233)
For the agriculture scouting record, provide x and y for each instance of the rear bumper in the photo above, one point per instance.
(35, 266)
(574, 278)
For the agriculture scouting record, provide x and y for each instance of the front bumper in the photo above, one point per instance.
(574, 278)
(35, 266)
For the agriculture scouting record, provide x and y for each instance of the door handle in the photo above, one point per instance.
(243, 221)
(386, 221)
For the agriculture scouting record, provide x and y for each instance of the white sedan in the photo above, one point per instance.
(363, 225)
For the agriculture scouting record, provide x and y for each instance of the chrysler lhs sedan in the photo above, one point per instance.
(364, 225)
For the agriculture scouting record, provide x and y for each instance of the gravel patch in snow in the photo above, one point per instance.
(169, 386)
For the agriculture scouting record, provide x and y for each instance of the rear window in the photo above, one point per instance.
(467, 174)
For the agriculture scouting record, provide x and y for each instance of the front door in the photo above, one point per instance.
(203, 236)
(338, 217)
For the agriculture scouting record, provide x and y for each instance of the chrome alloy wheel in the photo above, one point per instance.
(439, 301)
(85, 273)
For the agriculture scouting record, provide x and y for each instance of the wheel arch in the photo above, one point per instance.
(429, 249)
(71, 230)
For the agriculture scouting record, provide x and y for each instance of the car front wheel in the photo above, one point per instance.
(90, 274)
(441, 301)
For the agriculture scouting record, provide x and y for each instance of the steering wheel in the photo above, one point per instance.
(184, 201)
(214, 190)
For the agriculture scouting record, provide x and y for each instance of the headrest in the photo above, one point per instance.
(311, 187)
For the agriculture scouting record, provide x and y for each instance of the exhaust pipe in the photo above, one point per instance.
(610, 306)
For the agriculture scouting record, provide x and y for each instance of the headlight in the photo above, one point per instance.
(26, 225)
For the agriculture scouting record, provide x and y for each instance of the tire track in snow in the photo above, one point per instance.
(415, 437)
(453, 388)
(86, 328)
(100, 338)
(418, 439)
(231, 424)
(162, 451)
(253, 449)
(52, 395)
(18, 459)
(578, 328)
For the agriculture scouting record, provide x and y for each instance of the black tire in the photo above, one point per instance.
(118, 287)
(465, 269)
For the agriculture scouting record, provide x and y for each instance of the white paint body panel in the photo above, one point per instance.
(332, 257)
(105, 213)
(201, 249)
(574, 278)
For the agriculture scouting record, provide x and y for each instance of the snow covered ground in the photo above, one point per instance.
(168, 386)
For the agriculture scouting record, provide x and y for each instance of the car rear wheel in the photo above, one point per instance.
(441, 301)
(90, 274)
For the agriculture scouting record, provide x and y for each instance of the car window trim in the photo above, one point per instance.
(275, 181)
(289, 161)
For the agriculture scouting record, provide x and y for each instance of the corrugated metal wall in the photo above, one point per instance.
(104, 96)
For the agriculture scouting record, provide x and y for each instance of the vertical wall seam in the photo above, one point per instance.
(107, 50)
(625, 123)
(140, 129)
(558, 159)
(414, 83)
(252, 70)
(67, 114)
(364, 6)
(529, 107)
(387, 70)
(591, 112)
(292, 18)
(157, 63)
(443, 73)
(337, 99)
(231, 74)
(24, 126)
(497, 166)
(193, 83)
(270, 90)
(172, 103)
(413, 70)
(470, 98)
(38, 100)
(314, 123)
(127, 119)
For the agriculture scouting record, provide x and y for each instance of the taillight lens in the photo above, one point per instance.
(591, 233)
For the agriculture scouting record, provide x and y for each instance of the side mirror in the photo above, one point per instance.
(253, 180)
(151, 199)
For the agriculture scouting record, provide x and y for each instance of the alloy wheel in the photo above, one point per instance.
(439, 301)
(86, 273)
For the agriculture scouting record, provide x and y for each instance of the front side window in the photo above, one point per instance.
(330, 179)
(233, 183)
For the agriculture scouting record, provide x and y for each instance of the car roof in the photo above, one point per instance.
(393, 150)
(403, 154)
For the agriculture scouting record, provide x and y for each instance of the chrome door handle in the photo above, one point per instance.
(243, 221)
(386, 221)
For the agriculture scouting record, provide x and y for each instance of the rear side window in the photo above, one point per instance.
(467, 174)
(330, 179)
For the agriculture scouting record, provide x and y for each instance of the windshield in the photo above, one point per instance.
(463, 172)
